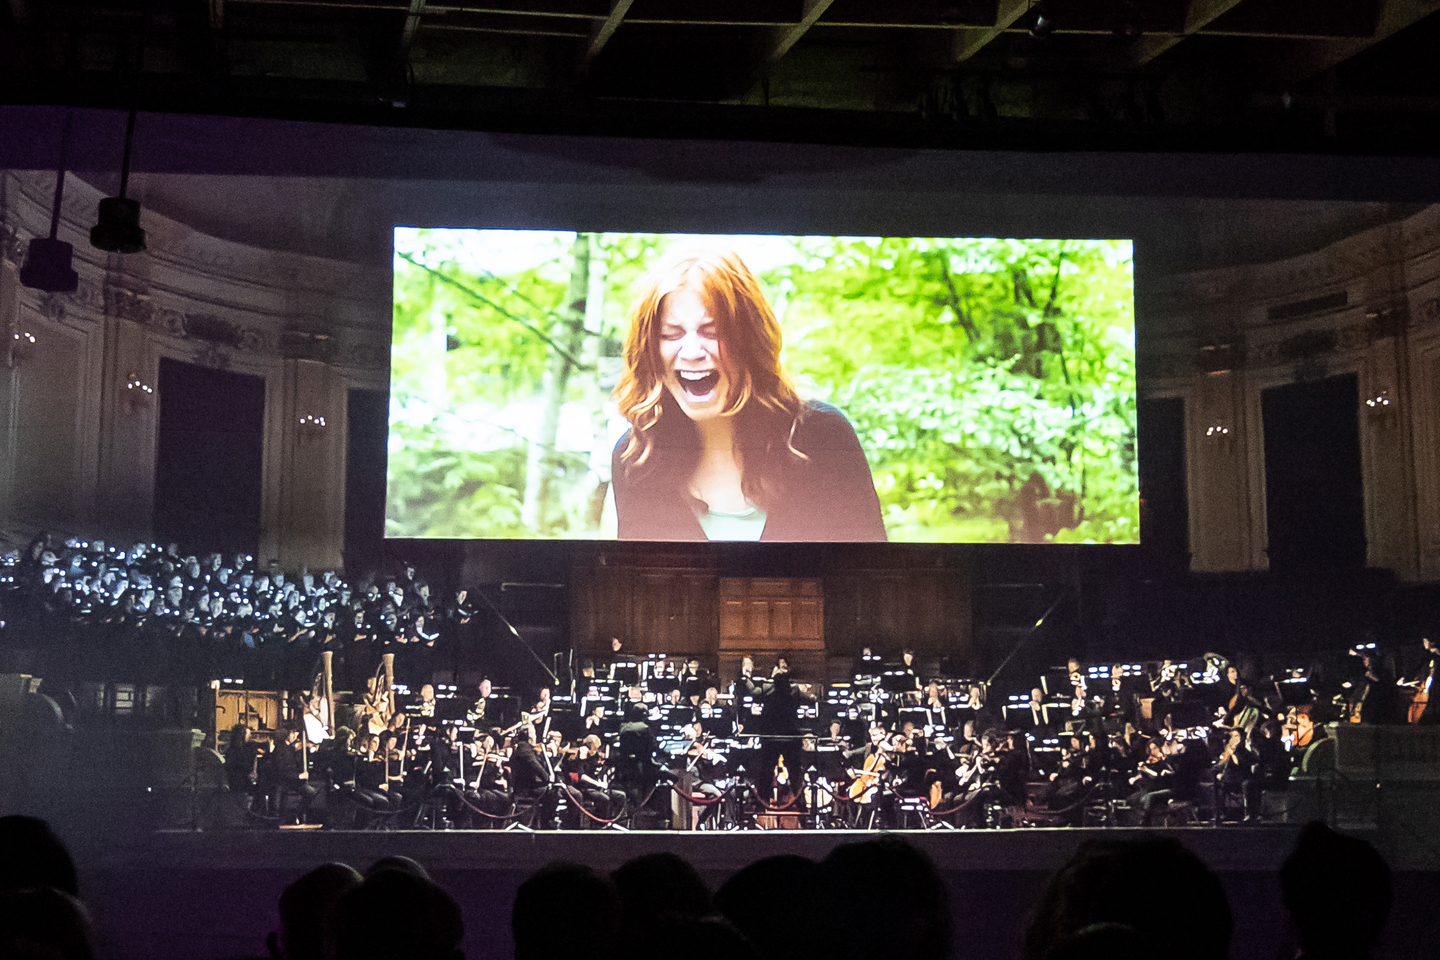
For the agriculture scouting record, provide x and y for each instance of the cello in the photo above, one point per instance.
(862, 789)
(1421, 702)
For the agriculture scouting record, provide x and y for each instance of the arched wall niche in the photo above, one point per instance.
(1367, 305)
(80, 440)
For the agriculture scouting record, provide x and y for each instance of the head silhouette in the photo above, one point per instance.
(304, 906)
(396, 915)
(32, 856)
(1155, 886)
(565, 910)
(1329, 917)
(889, 878)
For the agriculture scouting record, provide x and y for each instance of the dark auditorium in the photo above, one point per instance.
(766, 479)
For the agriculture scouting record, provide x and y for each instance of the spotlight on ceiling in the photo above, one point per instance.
(47, 261)
(1044, 24)
(47, 266)
(118, 229)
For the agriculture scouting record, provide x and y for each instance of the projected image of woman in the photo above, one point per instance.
(720, 446)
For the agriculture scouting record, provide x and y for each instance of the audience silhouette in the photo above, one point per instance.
(655, 887)
(304, 906)
(396, 915)
(43, 923)
(1337, 892)
(565, 910)
(1155, 886)
(782, 906)
(894, 882)
(1114, 899)
(32, 856)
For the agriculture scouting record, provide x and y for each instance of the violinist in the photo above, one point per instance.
(533, 775)
(1232, 769)
(487, 787)
(1078, 769)
(908, 780)
(241, 756)
(941, 773)
(590, 769)
(371, 785)
(1152, 782)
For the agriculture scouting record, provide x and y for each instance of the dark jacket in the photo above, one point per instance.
(830, 495)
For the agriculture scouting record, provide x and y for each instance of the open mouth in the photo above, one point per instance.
(698, 383)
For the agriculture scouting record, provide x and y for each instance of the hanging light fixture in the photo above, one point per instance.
(48, 260)
(118, 229)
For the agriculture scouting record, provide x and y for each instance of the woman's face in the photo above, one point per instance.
(690, 355)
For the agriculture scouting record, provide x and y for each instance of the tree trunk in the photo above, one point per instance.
(569, 332)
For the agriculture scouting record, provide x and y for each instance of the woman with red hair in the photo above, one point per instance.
(720, 446)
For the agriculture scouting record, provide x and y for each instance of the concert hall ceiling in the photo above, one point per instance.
(1355, 76)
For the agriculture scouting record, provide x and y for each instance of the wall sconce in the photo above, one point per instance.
(311, 426)
(19, 346)
(1217, 432)
(139, 395)
(1380, 406)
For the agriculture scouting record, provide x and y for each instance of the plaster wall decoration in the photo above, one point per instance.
(1192, 298)
(1430, 311)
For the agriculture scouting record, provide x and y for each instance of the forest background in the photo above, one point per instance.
(991, 381)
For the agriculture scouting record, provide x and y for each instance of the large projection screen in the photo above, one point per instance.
(562, 385)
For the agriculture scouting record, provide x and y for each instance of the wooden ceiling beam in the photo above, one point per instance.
(970, 40)
(1199, 14)
(786, 37)
(601, 33)
(1393, 16)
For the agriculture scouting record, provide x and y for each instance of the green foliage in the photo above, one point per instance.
(991, 382)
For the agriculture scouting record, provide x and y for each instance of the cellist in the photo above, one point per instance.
(1420, 711)
(867, 764)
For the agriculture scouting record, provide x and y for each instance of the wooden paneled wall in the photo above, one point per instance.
(690, 608)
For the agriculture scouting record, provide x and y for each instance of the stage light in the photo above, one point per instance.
(48, 260)
(48, 266)
(118, 229)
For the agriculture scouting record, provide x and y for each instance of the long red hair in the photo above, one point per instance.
(746, 328)
(761, 397)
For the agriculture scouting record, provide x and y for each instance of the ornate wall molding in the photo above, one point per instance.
(217, 295)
